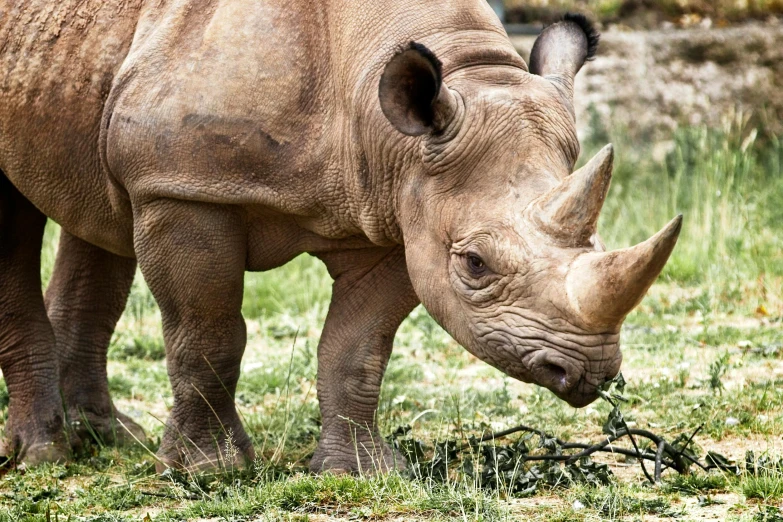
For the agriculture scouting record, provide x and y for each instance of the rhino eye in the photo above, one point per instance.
(476, 265)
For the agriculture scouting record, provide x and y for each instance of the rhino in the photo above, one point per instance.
(405, 144)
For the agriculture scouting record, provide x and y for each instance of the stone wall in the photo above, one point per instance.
(648, 82)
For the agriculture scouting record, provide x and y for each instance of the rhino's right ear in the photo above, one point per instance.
(413, 97)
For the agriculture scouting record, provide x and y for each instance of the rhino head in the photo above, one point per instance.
(500, 233)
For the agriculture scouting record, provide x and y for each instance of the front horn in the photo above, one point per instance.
(605, 286)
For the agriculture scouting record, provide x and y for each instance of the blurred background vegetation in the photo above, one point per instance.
(645, 13)
(728, 183)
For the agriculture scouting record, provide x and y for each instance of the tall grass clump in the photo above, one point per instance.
(727, 183)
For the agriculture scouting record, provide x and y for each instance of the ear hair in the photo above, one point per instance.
(593, 36)
(424, 51)
(562, 49)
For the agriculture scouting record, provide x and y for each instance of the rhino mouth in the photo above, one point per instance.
(572, 382)
(576, 382)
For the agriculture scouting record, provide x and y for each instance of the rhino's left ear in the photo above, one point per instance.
(562, 48)
(412, 94)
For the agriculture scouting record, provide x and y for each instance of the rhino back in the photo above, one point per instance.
(226, 104)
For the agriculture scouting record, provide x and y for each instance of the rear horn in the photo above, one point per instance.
(570, 211)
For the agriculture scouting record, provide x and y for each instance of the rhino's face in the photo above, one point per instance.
(511, 307)
(500, 236)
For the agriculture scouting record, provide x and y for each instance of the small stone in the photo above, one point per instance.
(732, 421)
(578, 505)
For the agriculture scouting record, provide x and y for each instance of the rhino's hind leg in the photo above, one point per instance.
(193, 257)
(84, 300)
(34, 431)
(371, 296)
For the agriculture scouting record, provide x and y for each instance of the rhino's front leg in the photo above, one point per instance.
(84, 300)
(193, 257)
(371, 296)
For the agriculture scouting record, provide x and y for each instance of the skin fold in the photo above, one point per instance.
(404, 143)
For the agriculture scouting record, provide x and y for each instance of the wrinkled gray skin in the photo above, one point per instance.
(203, 139)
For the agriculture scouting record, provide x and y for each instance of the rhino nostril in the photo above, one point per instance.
(557, 375)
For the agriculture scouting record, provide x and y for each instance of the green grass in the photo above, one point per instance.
(705, 348)
(764, 486)
(697, 483)
(373, 497)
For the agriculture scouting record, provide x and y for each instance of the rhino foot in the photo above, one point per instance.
(34, 454)
(368, 455)
(34, 444)
(129, 432)
(46, 453)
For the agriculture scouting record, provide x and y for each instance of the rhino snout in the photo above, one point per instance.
(575, 383)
